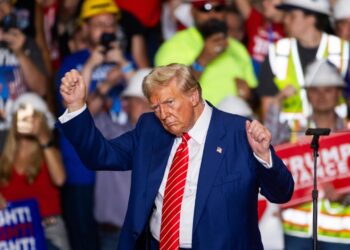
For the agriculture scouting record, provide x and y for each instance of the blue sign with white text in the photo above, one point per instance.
(20, 227)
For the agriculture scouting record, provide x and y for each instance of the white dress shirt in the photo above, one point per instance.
(67, 116)
(196, 144)
(198, 134)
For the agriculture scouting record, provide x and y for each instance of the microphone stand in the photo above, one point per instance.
(316, 132)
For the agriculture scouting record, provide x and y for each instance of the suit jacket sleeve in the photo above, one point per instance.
(276, 183)
(96, 152)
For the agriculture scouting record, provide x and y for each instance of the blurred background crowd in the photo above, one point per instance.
(283, 62)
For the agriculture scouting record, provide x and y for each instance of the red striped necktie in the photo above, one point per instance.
(173, 194)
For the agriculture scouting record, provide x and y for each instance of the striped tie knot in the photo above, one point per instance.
(185, 138)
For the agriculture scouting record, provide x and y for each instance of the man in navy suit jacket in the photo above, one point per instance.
(230, 162)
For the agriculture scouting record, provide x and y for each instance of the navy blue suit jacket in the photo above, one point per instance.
(225, 215)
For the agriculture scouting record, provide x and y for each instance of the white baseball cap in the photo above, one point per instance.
(318, 6)
(134, 87)
(341, 9)
(322, 73)
(37, 103)
(235, 105)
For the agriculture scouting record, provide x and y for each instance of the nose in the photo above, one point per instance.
(286, 19)
(105, 29)
(163, 113)
(109, 29)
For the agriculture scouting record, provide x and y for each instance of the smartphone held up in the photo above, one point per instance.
(25, 119)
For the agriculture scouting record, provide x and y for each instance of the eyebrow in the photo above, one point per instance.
(163, 102)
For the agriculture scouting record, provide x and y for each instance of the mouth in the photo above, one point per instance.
(170, 124)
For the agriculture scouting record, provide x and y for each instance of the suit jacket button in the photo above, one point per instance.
(135, 235)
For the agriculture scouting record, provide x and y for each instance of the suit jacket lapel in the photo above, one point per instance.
(161, 148)
(214, 152)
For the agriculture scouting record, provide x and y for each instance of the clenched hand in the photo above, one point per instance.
(259, 138)
(73, 90)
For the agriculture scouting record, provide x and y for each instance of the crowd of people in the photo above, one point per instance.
(282, 62)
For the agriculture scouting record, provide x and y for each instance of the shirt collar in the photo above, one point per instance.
(199, 131)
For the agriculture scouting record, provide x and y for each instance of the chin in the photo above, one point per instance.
(174, 131)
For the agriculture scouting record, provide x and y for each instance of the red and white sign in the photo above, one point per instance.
(333, 165)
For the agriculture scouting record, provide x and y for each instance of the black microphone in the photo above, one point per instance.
(318, 131)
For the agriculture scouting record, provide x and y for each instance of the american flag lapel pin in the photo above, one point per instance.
(219, 150)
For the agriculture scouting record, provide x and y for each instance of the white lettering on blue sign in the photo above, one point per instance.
(15, 216)
(27, 243)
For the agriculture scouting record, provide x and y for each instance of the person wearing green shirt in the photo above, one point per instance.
(222, 65)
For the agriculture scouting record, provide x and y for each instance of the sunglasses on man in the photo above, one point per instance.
(208, 7)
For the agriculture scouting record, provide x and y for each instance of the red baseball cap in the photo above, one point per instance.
(201, 3)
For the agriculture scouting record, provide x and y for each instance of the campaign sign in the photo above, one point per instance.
(333, 165)
(20, 227)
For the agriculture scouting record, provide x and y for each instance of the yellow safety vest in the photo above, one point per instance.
(285, 65)
(333, 221)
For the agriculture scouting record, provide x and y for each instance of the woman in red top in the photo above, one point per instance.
(31, 167)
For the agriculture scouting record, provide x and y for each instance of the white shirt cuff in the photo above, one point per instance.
(264, 163)
(67, 116)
